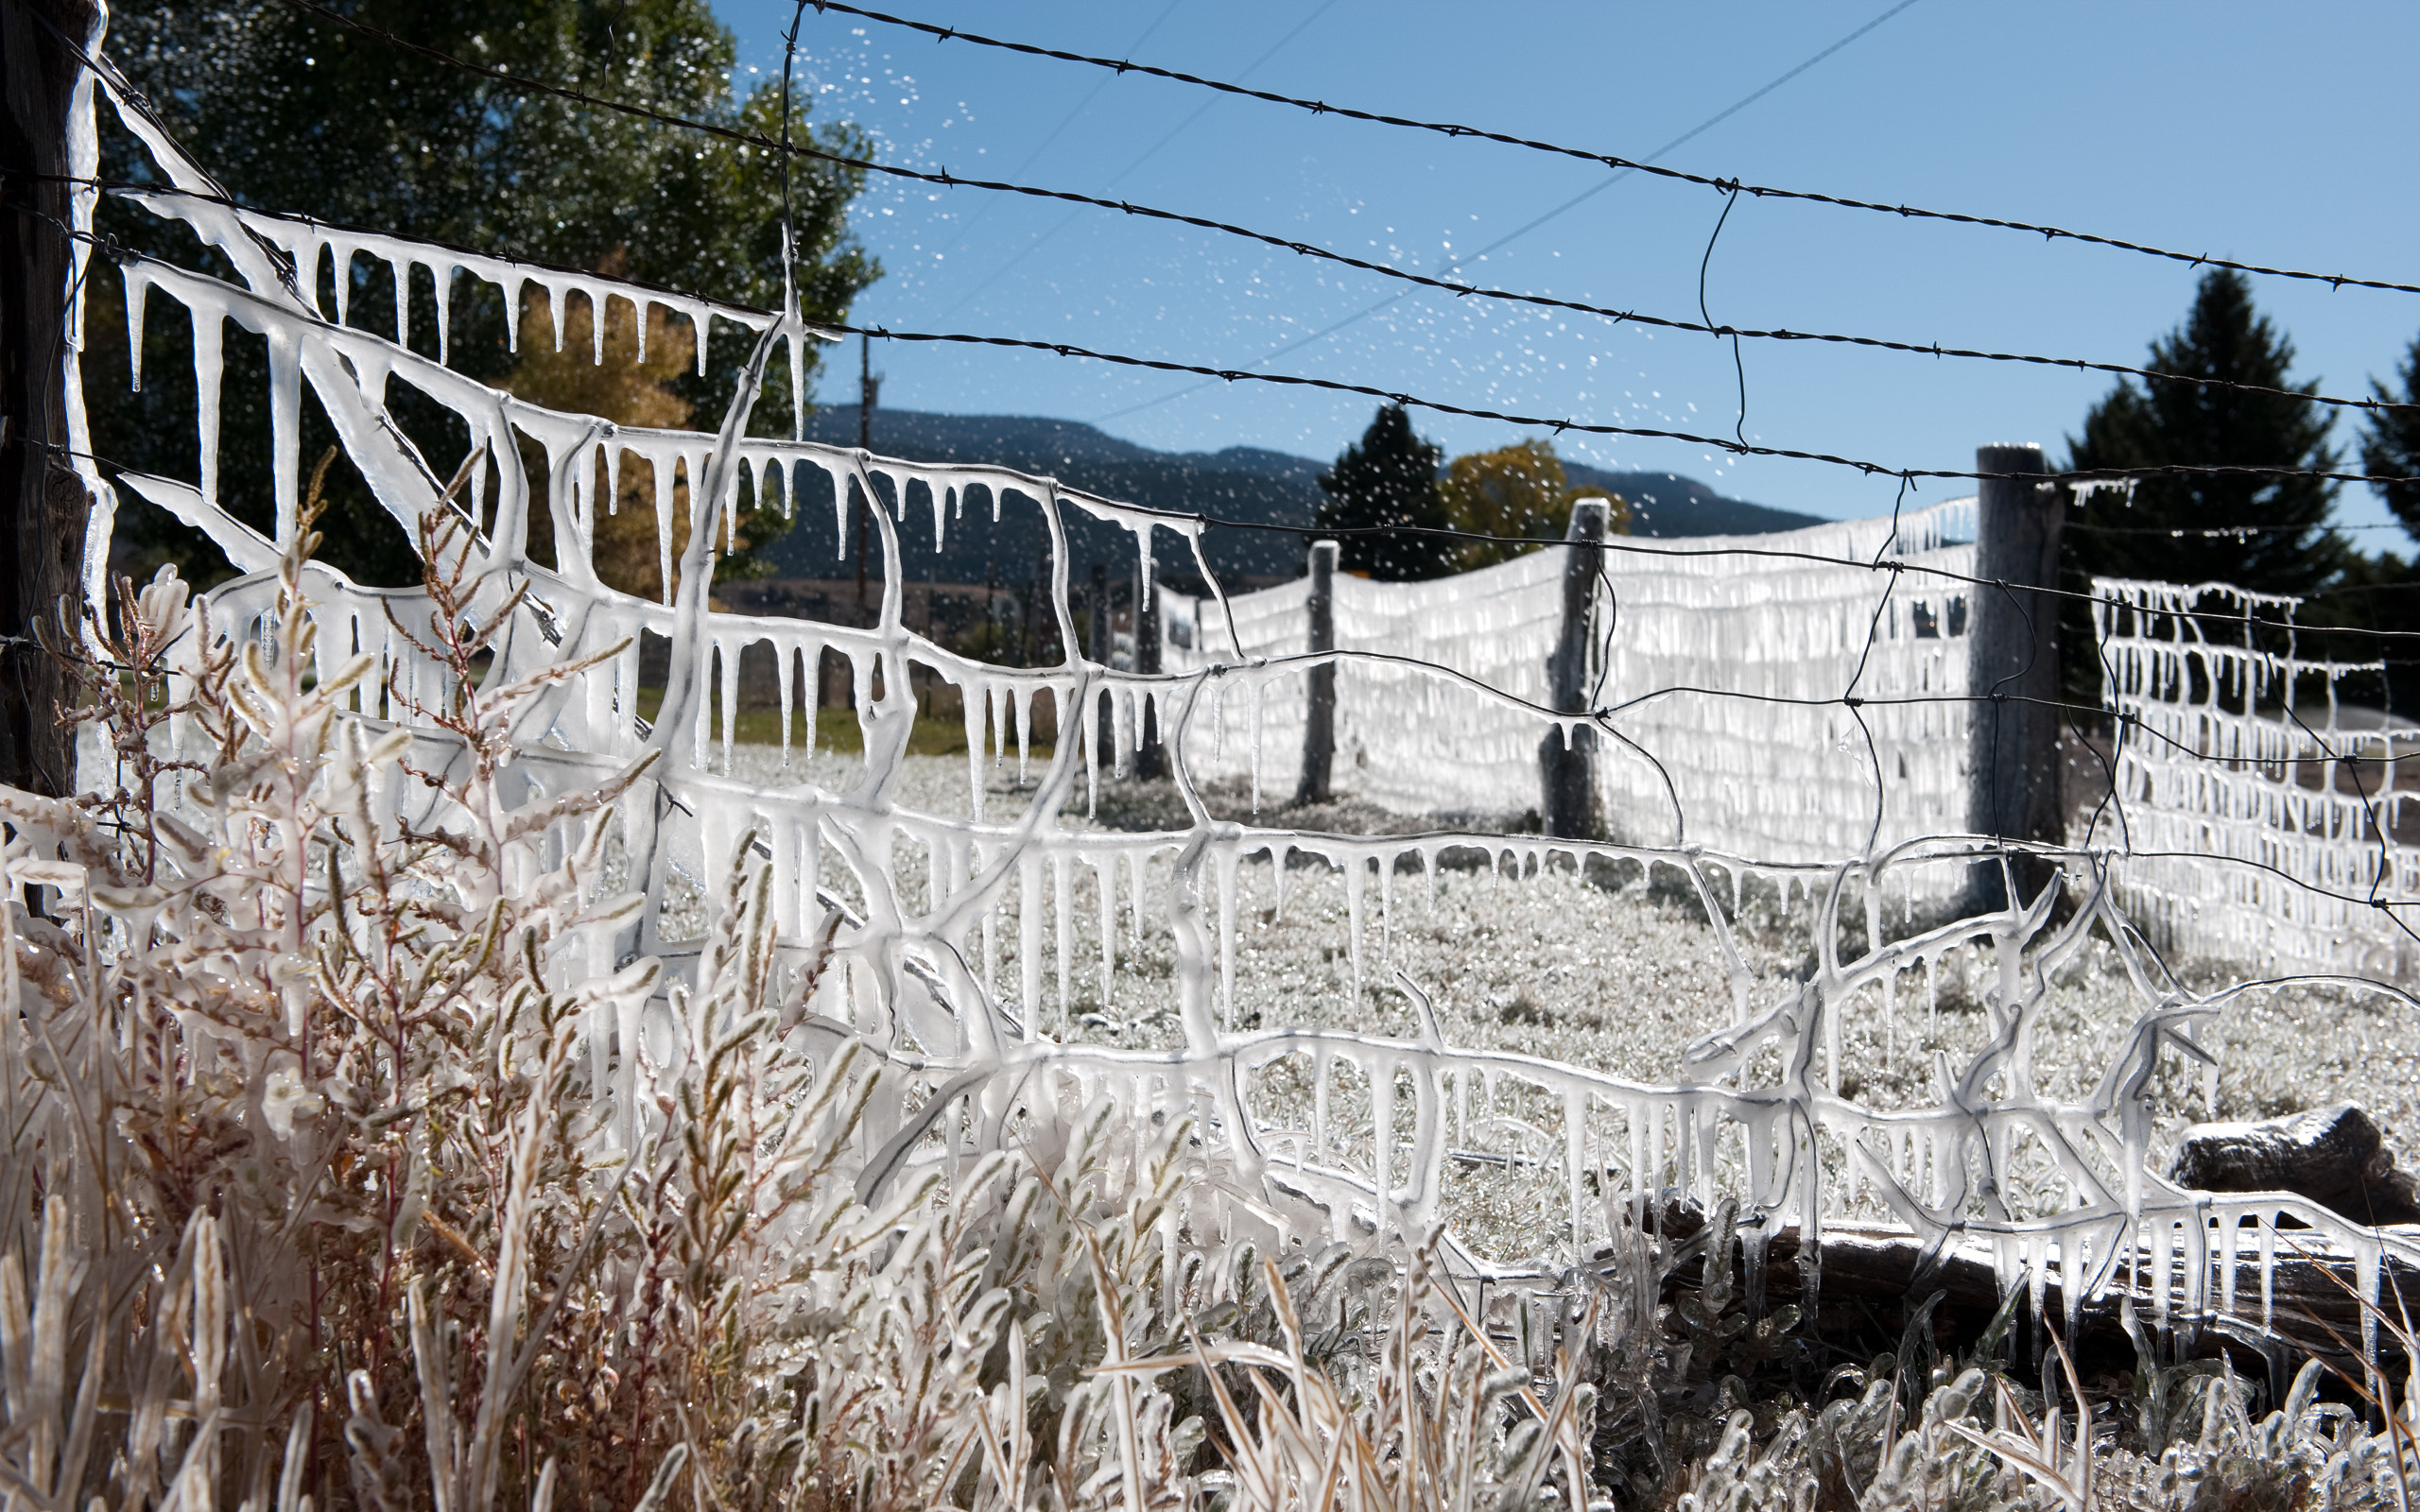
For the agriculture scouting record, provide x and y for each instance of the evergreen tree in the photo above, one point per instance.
(1388, 479)
(2391, 443)
(2146, 424)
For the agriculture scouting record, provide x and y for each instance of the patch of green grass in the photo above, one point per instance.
(837, 730)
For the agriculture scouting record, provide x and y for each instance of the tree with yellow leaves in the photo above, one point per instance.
(624, 389)
(1514, 492)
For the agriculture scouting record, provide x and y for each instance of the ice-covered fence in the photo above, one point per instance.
(959, 940)
(2262, 827)
(1725, 663)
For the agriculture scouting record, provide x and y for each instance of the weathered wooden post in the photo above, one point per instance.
(1568, 767)
(2012, 659)
(1319, 730)
(43, 503)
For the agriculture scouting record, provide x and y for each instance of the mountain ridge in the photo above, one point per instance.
(1246, 484)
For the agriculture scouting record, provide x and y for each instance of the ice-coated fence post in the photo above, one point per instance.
(2013, 654)
(1568, 767)
(1318, 727)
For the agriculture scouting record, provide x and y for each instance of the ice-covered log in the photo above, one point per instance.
(2335, 1156)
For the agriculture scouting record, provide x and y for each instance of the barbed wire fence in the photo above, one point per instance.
(1827, 721)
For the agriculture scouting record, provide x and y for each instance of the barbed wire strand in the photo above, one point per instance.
(947, 179)
(1607, 159)
(117, 252)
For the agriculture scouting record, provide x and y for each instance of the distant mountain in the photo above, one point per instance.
(1241, 483)
(1666, 504)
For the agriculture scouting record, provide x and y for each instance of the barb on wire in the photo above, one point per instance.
(1620, 164)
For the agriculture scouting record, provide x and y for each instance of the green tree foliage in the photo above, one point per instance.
(2382, 593)
(2290, 551)
(1386, 481)
(1518, 490)
(2391, 443)
(295, 113)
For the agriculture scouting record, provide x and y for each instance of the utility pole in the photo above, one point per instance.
(43, 503)
(869, 390)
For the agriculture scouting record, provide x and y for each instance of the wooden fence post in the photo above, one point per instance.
(1568, 767)
(2013, 652)
(43, 504)
(1318, 731)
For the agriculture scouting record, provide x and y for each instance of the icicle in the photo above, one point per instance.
(1024, 695)
(1105, 892)
(286, 428)
(341, 255)
(661, 463)
(1062, 899)
(1357, 881)
(1138, 861)
(443, 273)
(975, 709)
(730, 700)
(1226, 862)
(798, 386)
(1029, 942)
(209, 338)
(138, 294)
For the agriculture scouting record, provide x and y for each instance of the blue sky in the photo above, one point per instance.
(2269, 133)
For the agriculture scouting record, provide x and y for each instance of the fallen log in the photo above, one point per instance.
(1871, 1280)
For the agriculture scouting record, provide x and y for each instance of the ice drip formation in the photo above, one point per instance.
(948, 943)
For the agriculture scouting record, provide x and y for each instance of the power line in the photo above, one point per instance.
(967, 227)
(948, 180)
(1629, 164)
(1511, 236)
(1141, 157)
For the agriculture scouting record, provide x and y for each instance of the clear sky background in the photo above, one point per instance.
(2275, 134)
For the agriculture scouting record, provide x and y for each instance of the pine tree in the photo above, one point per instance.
(1388, 479)
(2287, 550)
(2391, 443)
(2155, 423)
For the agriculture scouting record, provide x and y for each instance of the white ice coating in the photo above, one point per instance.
(1700, 644)
(2224, 751)
(1312, 1131)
